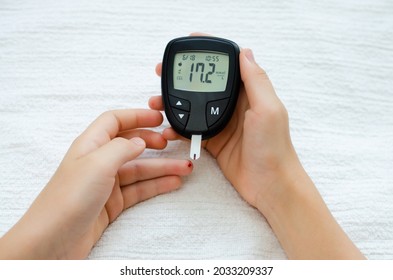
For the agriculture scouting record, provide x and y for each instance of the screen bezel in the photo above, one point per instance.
(205, 44)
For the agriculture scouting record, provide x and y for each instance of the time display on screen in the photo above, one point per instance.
(200, 71)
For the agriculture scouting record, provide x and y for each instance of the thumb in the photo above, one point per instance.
(117, 152)
(259, 89)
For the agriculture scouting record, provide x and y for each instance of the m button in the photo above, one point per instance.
(215, 110)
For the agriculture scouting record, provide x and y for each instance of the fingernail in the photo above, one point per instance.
(138, 141)
(250, 56)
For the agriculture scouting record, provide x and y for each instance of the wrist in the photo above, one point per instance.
(26, 240)
(287, 181)
(300, 218)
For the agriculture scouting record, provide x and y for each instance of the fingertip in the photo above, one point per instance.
(190, 167)
(249, 55)
(185, 168)
(139, 142)
(174, 182)
(158, 116)
(159, 69)
(150, 102)
(159, 141)
(200, 34)
(155, 103)
(169, 134)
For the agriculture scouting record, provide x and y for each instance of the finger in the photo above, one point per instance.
(145, 169)
(114, 205)
(258, 87)
(100, 226)
(109, 124)
(154, 140)
(114, 154)
(112, 122)
(156, 103)
(159, 69)
(200, 34)
(171, 135)
(143, 190)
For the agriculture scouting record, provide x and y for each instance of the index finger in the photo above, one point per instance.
(156, 103)
(109, 124)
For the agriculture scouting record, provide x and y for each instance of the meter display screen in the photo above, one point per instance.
(200, 71)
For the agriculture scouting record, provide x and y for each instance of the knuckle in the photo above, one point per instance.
(276, 113)
(77, 141)
(111, 117)
(261, 74)
(258, 74)
(106, 114)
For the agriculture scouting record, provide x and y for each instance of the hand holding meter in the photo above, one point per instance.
(200, 86)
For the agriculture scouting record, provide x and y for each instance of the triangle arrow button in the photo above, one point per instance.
(179, 103)
(180, 116)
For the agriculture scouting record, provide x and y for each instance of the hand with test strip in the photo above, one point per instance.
(256, 155)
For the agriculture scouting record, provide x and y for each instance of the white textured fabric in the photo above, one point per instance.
(62, 63)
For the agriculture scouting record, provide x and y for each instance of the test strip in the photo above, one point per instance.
(195, 151)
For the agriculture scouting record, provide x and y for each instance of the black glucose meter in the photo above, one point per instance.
(200, 85)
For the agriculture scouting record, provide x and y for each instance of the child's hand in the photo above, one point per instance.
(98, 178)
(256, 155)
(255, 146)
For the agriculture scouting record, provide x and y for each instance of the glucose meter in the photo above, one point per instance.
(200, 85)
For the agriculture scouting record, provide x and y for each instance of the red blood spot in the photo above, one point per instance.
(189, 164)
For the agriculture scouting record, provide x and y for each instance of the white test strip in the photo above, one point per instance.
(195, 151)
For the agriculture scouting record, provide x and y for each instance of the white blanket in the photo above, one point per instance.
(62, 63)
